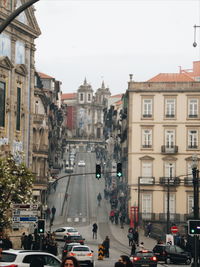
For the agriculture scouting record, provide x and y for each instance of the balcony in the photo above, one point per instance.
(174, 181)
(169, 149)
(188, 181)
(43, 149)
(170, 115)
(41, 180)
(38, 118)
(147, 146)
(147, 115)
(193, 116)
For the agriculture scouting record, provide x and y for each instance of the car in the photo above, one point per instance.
(83, 254)
(81, 163)
(63, 232)
(75, 238)
(172, 253)
(12, 258)
(144, 258)
(67, 247)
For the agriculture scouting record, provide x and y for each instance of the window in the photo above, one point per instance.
(192, 139)
(146, 169)
(18, 109)
(20, 53)
(147, 138)
(169, 138)
(147, 108)
(146, 206)
(2, 103)
(193, 108)
(5, 45)
(89, 97)
(169, 169)
(190, 203)
(81, 96)
(171, 205)
(170, 108)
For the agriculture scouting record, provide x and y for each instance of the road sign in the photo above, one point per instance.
(174, 229)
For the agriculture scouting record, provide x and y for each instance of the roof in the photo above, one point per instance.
(114, 96)
(68, 96)
(44, 76)
(171, 77)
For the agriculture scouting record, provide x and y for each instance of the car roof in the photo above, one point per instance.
(19, 251)
(82, 246)
(66, 227)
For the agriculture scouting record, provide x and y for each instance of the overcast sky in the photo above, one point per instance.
(109, 39)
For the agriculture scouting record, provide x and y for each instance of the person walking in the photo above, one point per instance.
(53, 211)
(99, 198)
(94, 230)
(133, 248)
(106, 245)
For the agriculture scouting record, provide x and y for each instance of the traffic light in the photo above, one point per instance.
(119, 170)
(98, 171)
(194, 227)
(41, 226)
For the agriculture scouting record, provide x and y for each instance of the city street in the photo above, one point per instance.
(80, 210)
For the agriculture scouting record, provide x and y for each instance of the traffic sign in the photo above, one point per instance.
(174, 229)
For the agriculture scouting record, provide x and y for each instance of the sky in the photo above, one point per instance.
(106, 40)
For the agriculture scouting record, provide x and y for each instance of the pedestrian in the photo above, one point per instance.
(112, 216)
(130, 238)
(53, 211)
(125, 260)
(36, 262)
(22, 239)
(148, 229)
(106, 245)
(94, 230)
(133, 248)
(70, 262)
(29, 241)
(99, 198)
(7, 243)
(136, 236)
(48, 213)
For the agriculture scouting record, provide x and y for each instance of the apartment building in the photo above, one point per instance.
(163, 135)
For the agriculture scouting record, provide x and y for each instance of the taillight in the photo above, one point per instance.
(12, 265)
(89, 254)
(65, 251)
(153, 258)
(136, 258)
(71, 254)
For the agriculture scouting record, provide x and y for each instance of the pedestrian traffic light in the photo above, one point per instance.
(98, 171)
(41, 226)
(119, 170)
(194, 227)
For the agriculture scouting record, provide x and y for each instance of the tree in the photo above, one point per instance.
(16, 182)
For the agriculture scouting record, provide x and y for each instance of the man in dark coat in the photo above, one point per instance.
(106, 245)
(94, 230)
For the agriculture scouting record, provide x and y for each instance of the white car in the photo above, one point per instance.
(81, 163)
(62, 232)
(23, 258)
(83, 254)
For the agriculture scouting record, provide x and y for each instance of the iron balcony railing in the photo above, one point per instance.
(169, 149)
(174, 181)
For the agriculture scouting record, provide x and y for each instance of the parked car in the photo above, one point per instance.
(63, 232)
(171, 254)
(12, 258)
(144, 258)
(83, 254)
(75, 238)
(67, 247)
(81, 163)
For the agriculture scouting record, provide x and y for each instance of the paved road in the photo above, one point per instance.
(80, 210)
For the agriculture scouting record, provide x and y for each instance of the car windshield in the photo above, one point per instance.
(7, 257)
(81, 249)
(144, 254)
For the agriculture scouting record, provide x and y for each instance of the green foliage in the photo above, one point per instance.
(16, 182)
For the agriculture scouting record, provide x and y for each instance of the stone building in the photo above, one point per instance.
(17, 76)
(163, 135)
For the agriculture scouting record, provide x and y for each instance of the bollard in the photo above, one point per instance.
(100, 252)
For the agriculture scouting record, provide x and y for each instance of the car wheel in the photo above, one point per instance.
(167, 261)
(188, 261)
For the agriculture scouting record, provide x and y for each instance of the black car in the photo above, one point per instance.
(144, 258)
(172, 254)
(74, 238)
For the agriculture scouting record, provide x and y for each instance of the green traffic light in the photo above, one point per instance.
(119, 174)
(192, 231)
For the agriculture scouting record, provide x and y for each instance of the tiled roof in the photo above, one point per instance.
(44, 76)
(171, 77)
(68, 96)
(114, 96)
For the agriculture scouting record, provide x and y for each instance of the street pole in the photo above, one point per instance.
(195, 173)
(14, 14)
(168, 196)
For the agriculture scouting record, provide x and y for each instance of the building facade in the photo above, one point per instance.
(163, 135)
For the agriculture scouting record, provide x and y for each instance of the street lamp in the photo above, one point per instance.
(195, 174)
(168, 196)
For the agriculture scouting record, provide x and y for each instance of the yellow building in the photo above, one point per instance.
(163, 135)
